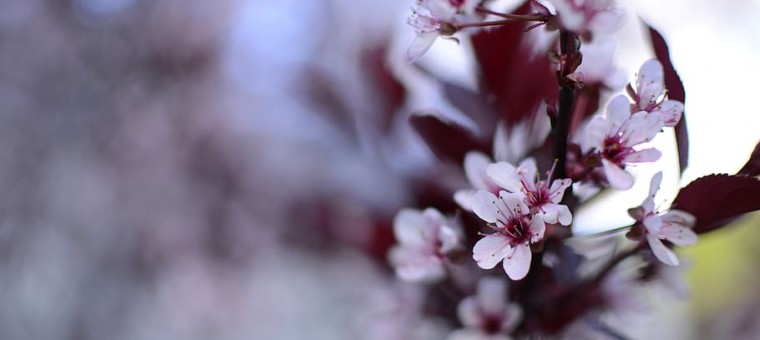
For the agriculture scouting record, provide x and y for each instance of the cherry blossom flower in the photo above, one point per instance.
(582, 16)
(540, 197)
(515, 229)
(673, 226)
(650, 95)
(425, 237)
(507, 147)
(616, 137)
(487, 315)
(435, 18)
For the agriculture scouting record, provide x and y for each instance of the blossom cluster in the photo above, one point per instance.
(509, 214)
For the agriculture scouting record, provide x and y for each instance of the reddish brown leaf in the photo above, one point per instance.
(517, 79)
(717, 199)
(447, 141)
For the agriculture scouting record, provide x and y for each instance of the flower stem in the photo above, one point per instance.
(524, 18)
(511, 19)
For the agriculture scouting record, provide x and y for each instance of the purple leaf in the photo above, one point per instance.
(716, 200)
(512, 75)
(448, 141)
(752, 168)
(675, 91)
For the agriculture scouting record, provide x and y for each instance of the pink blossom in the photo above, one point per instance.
(617, 135)
(582, 16)
(487, 315)
(435, 18)
(424, 240)
(514, 230)
(651, 95)
(673, 226)
(541, 198)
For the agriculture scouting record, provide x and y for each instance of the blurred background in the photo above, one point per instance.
(189, 169)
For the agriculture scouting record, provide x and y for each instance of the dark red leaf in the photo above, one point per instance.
(717, 199)
(512, 75)
(390, 92)
(752, 168)
(447, 141)
(675, 91)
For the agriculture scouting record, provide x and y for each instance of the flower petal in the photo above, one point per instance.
(670, 112)
(465, 198)
(649, 83)
(662, 253)
(556, 213)
(517, 265)
(678, 235)
(618, 109)
(413, 265)
(557, 190)
(646, 155)
(420, 45)
(469, 313)
(536, 228)
(512, 316)
(484, 205)
(653, 224)
(475, 164)
(505, 175)
(594, 133)
(654, 185)
(492, 295)
(678, 216)
(618, 178)
(407, 227)
(490, 250)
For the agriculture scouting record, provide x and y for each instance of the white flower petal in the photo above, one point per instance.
(642, 127)
(484, 205)
(512, 316)
(670, 112)
(679, 216)
(413, 265)
(512, 203)
(517, 265)
(448, 238)
(594, 133)
(501, 150)
(469, 313)
(492, 295)
(505, 175)
(618, 178)
(654, 185)
(678, 235)
(649, 82)
(407, 227)
(557, 190)
(549, 213)
(556, 213)
(465, 198)
(420, 45)
(662, 253)
(653, 224)
(619, 109)
(536, 228)
(642, 156)
(475, 164)
(490, 250)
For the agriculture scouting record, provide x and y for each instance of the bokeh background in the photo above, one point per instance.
(190, 169)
